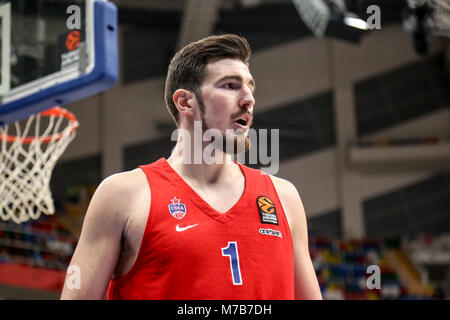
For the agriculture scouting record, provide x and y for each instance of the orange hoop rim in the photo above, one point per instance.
(55, 111)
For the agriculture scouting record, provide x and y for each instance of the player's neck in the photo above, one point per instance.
(195, 163)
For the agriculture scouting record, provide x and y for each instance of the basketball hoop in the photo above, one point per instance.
(28, 154)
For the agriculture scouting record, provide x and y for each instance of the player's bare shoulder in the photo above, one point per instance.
(290, 199)
(126, 183)
(285, 189)
(119, 194)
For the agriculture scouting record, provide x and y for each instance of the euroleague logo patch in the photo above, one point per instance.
(267, 210)
(177, 209)
(73, 40)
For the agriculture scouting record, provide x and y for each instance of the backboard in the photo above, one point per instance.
(54, 52)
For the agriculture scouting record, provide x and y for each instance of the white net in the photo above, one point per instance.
(28, 154)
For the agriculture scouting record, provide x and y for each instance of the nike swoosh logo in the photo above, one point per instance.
(180, 229)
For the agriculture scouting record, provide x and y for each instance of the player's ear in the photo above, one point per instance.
(183, 100)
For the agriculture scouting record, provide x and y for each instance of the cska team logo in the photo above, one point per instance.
(177, 209)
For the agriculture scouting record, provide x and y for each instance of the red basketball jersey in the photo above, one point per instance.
(191, 251)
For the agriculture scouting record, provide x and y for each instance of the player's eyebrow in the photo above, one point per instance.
(251, 82)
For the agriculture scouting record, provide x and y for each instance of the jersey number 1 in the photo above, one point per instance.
(232, 252)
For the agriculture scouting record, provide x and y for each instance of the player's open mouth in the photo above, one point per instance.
(243, 122)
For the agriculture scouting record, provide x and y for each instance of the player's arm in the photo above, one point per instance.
(98, 248)
(306, 284)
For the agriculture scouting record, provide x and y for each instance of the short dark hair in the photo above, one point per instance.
(187, 68)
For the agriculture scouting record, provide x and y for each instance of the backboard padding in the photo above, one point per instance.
(96, 71)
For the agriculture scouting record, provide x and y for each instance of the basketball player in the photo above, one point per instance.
(179, 229)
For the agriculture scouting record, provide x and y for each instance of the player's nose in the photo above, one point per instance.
(248, 100)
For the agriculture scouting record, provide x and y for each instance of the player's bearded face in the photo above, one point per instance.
(233, 140)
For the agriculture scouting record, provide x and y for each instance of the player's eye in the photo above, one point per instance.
(230, 85)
